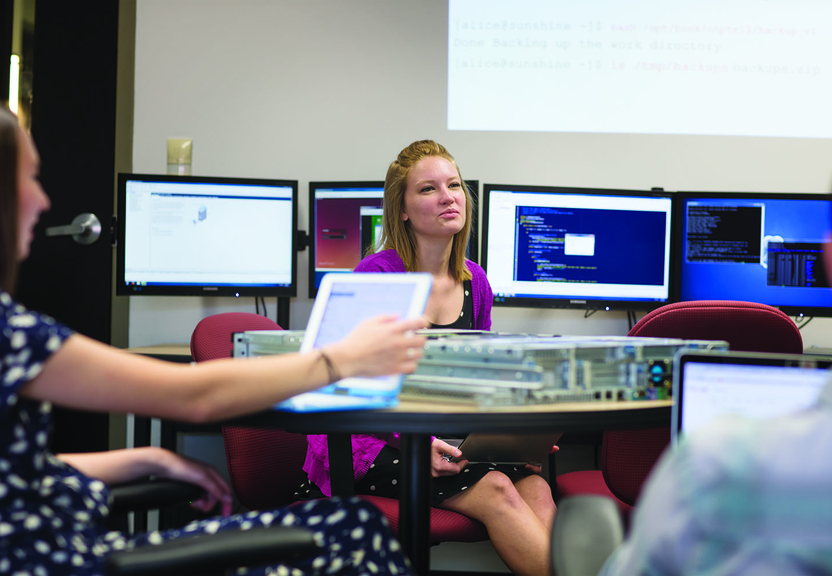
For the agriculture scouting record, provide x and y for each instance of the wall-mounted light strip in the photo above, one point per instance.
(14, 82)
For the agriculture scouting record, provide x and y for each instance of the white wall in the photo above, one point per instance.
(322, 90)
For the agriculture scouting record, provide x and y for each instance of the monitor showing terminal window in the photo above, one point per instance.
(583, 248)
(206, 236)
(756, 247)
(345, 223)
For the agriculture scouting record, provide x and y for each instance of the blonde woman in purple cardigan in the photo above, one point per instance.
(427, 219)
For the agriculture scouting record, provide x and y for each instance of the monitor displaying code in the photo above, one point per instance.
(572, 247)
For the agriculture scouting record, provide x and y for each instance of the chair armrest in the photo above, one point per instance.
(214, 553)
(586, 531)
(148, 494)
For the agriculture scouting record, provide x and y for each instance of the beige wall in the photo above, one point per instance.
(321, 90)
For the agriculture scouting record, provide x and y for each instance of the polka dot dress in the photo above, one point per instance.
(52, 517)
(383, 479)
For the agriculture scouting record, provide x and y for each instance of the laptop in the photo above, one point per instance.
(342, 302)
(707, 385)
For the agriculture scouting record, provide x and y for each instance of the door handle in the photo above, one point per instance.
(85, 229)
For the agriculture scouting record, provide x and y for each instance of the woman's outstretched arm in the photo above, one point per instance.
(85, 374)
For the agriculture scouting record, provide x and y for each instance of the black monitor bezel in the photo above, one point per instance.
(122, 289)
(474, 238)
(575, 303)
(473, 242)
(679, 204)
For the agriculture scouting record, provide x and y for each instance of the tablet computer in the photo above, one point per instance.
(509, 448)
(343, 301)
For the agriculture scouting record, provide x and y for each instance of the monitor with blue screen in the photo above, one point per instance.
(584, 248)
(756, 247)
(345, 222)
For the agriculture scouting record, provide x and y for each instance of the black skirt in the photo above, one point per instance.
(383, 479)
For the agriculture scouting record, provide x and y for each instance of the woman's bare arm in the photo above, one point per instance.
(118, 466)
(85, 374)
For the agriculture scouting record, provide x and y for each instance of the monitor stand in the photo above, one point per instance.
(283, 311)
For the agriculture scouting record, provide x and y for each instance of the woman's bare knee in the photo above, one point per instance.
(498, 482)
(501, 488)
(535, 490)
(491, 498)
(535, 481)
(534, 486)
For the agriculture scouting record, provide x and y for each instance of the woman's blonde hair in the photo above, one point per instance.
(397, 233)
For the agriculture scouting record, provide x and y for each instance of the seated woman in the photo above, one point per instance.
(53, 507)
(427, 219)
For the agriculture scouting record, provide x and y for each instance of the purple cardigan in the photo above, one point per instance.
(365, 448)
(389, 261)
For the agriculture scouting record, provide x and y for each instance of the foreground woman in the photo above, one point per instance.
(53, 507)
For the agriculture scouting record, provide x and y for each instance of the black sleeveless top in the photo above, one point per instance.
(465, 321)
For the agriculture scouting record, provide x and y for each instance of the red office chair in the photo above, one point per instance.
(627, 456)
(266, 465)
(259, 483)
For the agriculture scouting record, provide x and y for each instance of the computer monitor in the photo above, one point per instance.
(586, 248)
(206, 236)
(345, 221)
(710, 384)
(757, 247)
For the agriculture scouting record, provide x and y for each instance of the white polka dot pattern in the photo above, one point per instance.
(52, 516)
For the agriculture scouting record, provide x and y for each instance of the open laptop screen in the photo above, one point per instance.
(343, 301)
(708, 386)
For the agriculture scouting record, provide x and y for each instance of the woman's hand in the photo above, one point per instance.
(439, 464)
(379, 346)
(126, 465)
(178, 467)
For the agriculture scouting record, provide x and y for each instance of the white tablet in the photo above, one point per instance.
(343, 301)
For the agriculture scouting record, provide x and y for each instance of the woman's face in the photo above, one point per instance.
(434, 200)
(31, 199)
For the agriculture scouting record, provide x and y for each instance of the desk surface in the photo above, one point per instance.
(445, 418)
(183, 349)
(169, 352)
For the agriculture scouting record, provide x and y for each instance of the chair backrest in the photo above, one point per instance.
(211, 339)
(265, 465)
(746, 326)
(627, 456)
